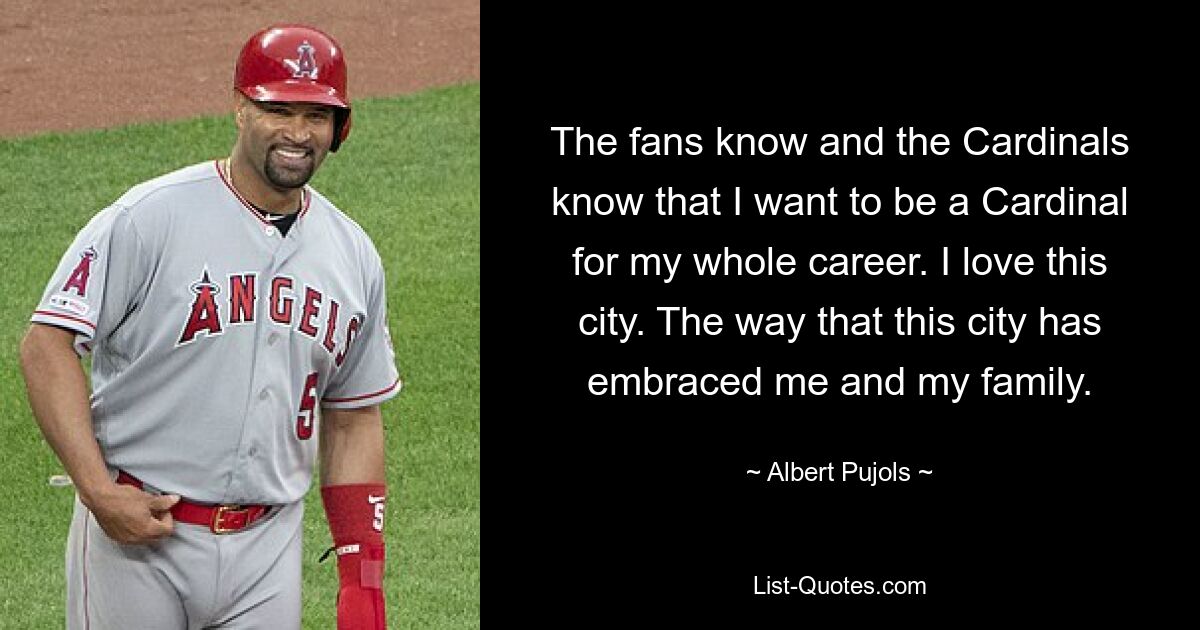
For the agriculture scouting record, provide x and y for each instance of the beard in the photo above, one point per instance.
(286, 176)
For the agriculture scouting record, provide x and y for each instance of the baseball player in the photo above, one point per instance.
(238, 331)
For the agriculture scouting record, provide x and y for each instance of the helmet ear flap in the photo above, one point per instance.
(341, 128)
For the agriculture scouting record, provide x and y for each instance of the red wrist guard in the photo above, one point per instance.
(355, 514)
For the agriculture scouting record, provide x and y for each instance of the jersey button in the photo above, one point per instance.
(269, 230)
(253, 451)
(272, 338)
(263, 394)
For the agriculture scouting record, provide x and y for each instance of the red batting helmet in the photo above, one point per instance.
(295, 63)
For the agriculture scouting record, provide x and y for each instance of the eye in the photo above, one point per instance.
(319, 116)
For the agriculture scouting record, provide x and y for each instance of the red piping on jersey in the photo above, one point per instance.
(371, 395)
(68, 317)
(307, 198)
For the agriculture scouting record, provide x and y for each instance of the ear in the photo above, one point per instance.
(240, 103)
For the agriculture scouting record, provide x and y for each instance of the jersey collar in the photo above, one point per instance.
(305, 197)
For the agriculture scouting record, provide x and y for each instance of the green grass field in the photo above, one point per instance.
(409, 174)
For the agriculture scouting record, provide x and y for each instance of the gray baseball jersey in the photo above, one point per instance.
(215, 340)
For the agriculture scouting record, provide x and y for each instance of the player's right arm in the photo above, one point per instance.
(58, 394)
(98, 279)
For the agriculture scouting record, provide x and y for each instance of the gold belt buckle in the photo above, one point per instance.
(220, 513)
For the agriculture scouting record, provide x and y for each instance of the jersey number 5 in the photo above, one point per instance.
(308, 405)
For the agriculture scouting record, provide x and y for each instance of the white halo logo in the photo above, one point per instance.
(305, 64)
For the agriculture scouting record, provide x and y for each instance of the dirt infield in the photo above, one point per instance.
(80, 64)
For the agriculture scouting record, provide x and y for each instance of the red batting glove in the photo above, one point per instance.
(355, 513)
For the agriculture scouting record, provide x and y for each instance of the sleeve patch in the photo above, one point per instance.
(78, 282)
(70, 305)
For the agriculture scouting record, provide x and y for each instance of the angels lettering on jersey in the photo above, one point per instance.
(307, 308)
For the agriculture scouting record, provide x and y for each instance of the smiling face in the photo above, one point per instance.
(284, 143)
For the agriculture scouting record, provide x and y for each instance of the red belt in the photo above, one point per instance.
(221, 519)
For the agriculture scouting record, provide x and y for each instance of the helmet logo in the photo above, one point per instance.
(305, 65)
